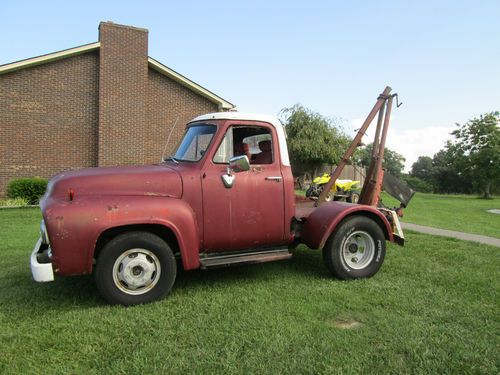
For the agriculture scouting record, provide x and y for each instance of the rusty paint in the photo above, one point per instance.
(202, 214)
(321, 222)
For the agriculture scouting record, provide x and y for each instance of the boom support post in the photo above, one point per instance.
(373, 182)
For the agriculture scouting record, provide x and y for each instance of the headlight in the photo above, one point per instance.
(43, 233)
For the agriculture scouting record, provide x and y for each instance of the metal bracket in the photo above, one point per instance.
(398, 104)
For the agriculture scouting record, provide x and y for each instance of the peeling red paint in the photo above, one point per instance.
(190, 200)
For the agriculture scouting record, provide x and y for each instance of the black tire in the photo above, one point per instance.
(138, 257)
(353, 197)
(369, 241)
(309, 191)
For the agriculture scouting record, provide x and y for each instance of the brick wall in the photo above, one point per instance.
(100, 108)
(169, 103)
(48, 118)
(123, 86)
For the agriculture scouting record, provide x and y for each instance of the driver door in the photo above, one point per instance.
(250, 214)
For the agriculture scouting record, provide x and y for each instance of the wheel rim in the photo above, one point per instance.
(358, 250)
(136, 271)
(329, 196)
(354, 198)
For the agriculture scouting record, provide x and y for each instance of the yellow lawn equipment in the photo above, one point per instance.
(342, 189)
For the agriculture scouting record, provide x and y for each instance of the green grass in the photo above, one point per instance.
(463, 213)
(300, 192)
(433, 308)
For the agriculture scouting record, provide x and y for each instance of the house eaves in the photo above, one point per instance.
(154, 64)
(43, 59)
(172, 74)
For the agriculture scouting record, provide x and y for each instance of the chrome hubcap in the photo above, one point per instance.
(136, 271)
(358, 250)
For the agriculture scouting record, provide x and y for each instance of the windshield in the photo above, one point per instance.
(195, 142)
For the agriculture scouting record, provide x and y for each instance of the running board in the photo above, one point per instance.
(215, 261)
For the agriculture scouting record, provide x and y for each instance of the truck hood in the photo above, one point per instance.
(150, 180)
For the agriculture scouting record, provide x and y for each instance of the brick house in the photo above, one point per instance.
(101, 104)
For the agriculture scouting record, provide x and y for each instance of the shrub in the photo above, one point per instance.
(30, 189)
(13, 202)
(417, 184)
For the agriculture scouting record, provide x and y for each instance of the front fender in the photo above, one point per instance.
(75, 226)
(322, 221)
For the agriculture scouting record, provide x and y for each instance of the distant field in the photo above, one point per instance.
(463, 213)
(432, 309)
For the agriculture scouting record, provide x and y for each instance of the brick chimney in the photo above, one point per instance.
(123, 87)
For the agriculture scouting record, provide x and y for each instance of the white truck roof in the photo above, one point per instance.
(240, 116)
(273, 120)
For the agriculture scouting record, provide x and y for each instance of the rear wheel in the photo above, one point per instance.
(353, 197)
(356, 249)
(134, 268)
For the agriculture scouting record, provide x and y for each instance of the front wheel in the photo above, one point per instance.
(135, 268)
(356, 249)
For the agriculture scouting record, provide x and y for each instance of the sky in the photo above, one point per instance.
(334, 57)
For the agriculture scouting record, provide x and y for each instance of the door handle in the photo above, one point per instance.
(274, 178)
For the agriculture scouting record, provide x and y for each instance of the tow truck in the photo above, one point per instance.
(225, 197)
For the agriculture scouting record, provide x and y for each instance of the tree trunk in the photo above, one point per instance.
(487, 190)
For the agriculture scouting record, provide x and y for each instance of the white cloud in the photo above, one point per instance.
(411, 143)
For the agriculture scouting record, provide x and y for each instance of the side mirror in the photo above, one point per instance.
(236, 164)
(239, 163)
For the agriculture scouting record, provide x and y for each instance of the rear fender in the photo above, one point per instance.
(323, 221)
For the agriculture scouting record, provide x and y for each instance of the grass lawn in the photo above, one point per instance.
(433, 308)
(463, 213)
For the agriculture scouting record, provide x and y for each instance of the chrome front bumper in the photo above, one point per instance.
(42, 272)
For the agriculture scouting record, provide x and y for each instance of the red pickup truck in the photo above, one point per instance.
(225, 197)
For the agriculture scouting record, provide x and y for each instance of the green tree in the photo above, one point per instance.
(417, 184)
(393, 162)
(313, 139)
(449, 174)
(422, 168)
(479, 140)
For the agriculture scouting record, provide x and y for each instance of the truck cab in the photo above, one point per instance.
(226, 196)
(255, 210)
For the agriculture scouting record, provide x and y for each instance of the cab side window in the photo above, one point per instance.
(253, 141)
